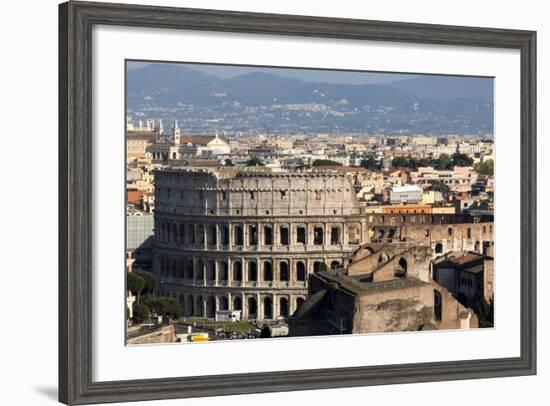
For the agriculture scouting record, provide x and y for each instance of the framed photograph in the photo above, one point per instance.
(260, 203)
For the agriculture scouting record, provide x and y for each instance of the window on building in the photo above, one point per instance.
(213, 235)
(268, 235)
(317, 195)
(301, 235)
(335, 235)
(268, 271)
(469, 233)
(401, 269)
(237, 271)
(318, 235)
(252, 235)
(251, 195)
(283, 194)
(300, 271)
(450, 231)
(283, 307)
(283, 271)
(252, 271)
(284, 235)
(225, 235)
(238, 235)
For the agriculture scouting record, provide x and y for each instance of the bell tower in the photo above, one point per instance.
(176, 133)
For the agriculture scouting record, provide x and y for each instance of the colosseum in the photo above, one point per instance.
(239, 240)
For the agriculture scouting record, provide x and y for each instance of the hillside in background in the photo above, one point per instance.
(266, 102)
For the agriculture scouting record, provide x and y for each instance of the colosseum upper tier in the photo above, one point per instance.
(234, 240)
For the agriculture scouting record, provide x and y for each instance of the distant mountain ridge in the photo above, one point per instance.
(165, 88)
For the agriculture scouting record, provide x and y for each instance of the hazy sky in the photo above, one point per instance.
(311, 75)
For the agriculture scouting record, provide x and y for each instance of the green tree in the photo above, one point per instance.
(485, 168)
(459, 159)
(439, 186)
(325, 162)
(135, 284)
(486, 312)
(141, 312)
(151, 283)
(400, 162)
(370, 163)
(254, 161)
(229, 162)
(444, 162)
(164, 306)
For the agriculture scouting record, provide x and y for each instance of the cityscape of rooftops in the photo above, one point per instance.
(269, 202)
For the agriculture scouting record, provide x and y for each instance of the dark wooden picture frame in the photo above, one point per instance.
(76, 20)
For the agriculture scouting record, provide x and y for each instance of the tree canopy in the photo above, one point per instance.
(254, 161)
(135, 284)
(141, 312)
(151, 283)
(485, 168)
(371, 164)
(325, 162)
(164, 306)
(459, 159)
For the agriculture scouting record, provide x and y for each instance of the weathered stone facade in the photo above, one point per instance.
(386, 288)
(237, 240)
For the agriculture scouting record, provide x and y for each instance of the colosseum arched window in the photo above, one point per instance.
(252, 235)
(237, 303)
(268, 235)
(181, 268)
(225, 235)
(181, 234)
(334, 265)
(174, 234)
(200, 234)
(335, 235)
(223, 273)
(268, 271)
(438, 248)
(189, 306)
(300, 271)
(224, 303)
(211, 307)
(238, 235)
(283, 307)
(173, 269)
(252, 271)
(283, 234)
(237, 271)
(301, 235)
(199, 306)
(188, 268)
(283, 271)
(211, 271)
(318, 235)
(268, 308)
(212, 235)
(199, 271)
(191, 233)
(252, 308)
